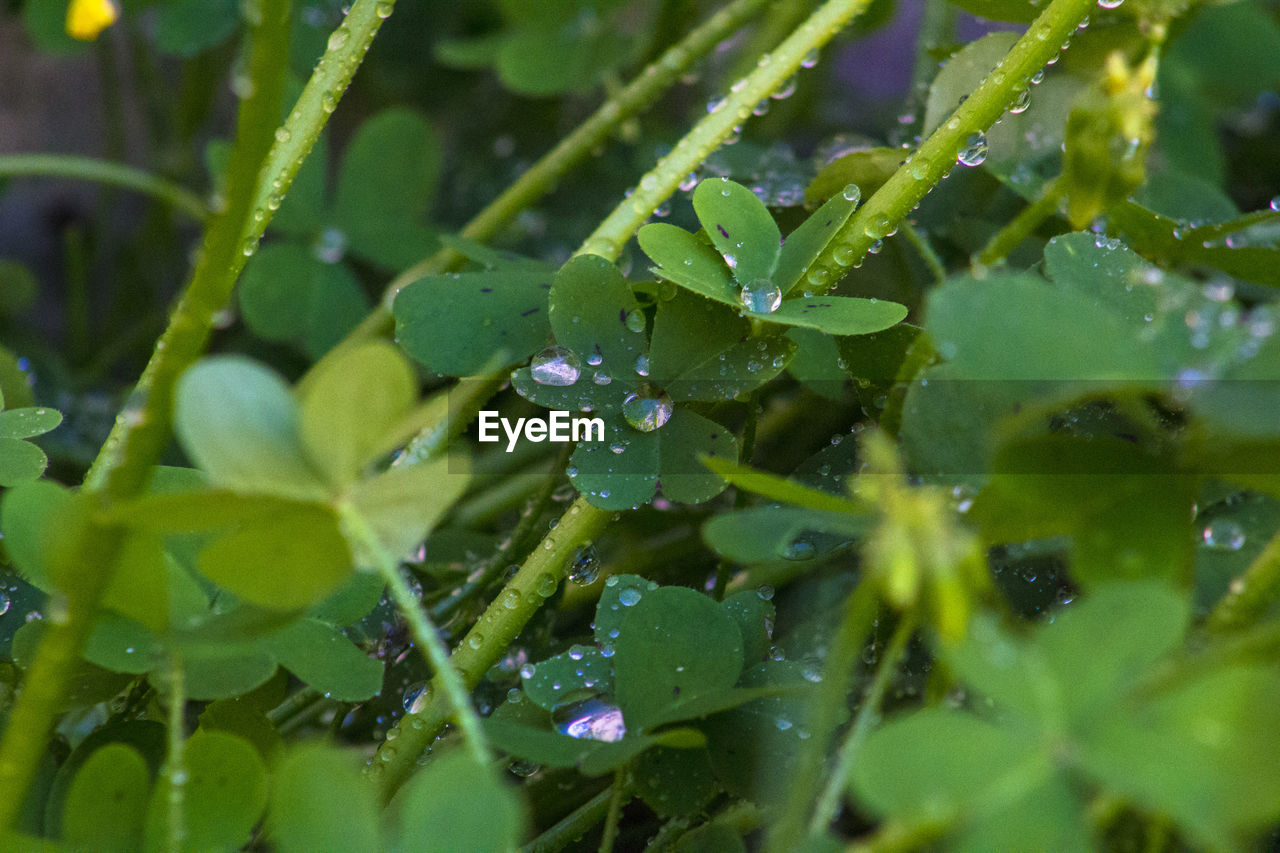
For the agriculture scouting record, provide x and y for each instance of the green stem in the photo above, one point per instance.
(741, 817)
(175, 760)
(573, 825)
(868, 714)
(447, 679)
(75, 168)
(828, 705)
(896, 837)
(1020, 227)
(894, 201)
(920, 243)
(618, 792)
(141, 433)
(709, 133)
(1251, 594)
(504, 619)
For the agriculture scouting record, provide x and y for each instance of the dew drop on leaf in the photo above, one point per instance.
(635, 320)
(760, 296)
(629, 596)
(647, 408)
(411, 694)
(851, 192)
(593, 718)
(1223, 534)
(555, 366)
(974, 152)
(584, 565)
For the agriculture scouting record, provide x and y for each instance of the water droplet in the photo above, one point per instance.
(629, 596)
(760, 296)
(642, 365)
(339, 37)
(689, 181)
(283, 134)
(810, 59)
(1110, 4)
(647, 408)
(5, 603)
(765, 592)
(1275, 203)
(851, 192)
(546, 585)
(593, 718)
(328, 102)
(878, 226)
(1021, 102)
(716, 103)
(511, 599)
(411, 694)
(331, 246)
(635, 321)
(787, 89)
(798, 549)
(595, 359)
(1223, 534)
(974, 151)
(475, 640)
(385, 8)
(584, 565)
(556, 366)
(520, 767)
(528, 671)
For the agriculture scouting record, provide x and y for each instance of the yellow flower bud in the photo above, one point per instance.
(87, 18)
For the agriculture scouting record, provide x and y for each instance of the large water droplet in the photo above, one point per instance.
(1110, 4)
(1021, 102)
(1223, 534)
(851, 192)
(411, 694)
(974, 151)
(338, 38)
(593, 718)
(584, 566)
(555, 366)
(760, 296)
(647, 408)
(635, 320)
(810, 59)
(629, 596)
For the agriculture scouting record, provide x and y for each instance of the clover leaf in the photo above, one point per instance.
(743, 261)
(20, 460)
(1072, 712)
(301, 291)
(605, 363)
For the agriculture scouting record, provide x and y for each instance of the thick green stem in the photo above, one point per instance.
(827, 707)
(424, 633)
(1020, 227)
(1251, 594)
(868, 714)
(175, 769)
(709, 133)
(141, 432)
(890, 204)
(573, 826)
(618, 795)
(74, 168)
(504, 619)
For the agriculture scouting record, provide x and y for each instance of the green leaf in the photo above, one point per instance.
(619, 480)
(674, 645)
(20, 462)
(379, 199)
(768, 533)
(404, 503)
(239, 423)
(185, 28)
(29, 422)
(838, 315)
(674, 782)
(324, 658)
(216, 672)
(966, 68)
(289, 295)
(239, 717)
(590, 307)
(939, 764)
(687, 440)
(28, 515)
(106, 804)
(226, 793)
(754, 616)
(144, 739)
(805, 243)
(867, 169)
(320, 801)
(437, 810)
(610, 609)
(287, 562)
(350, 404)
(688, 261)
(740, 228)
(575, 672)
(781, 488)
(18, 289)
(457, 324)
(1158, 238)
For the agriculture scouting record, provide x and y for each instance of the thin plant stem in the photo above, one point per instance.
(446, 679)
(522, 596)
(618, 795)
(708, 134)
(1249, 595)
(920, 243)
(867, 715)
(827, 707)
(572, 826)
(893, 202)
(175, 758)
(141, 433)
(741, 817)
(70, 167)
(1020, 227)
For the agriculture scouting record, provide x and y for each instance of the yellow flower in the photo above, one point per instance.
(87, 18)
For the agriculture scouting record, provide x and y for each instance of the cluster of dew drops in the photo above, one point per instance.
(646, 408)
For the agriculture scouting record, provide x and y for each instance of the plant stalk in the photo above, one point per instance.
(1251, 594)
(1020, 227)
(891, 204)
(74, 168)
